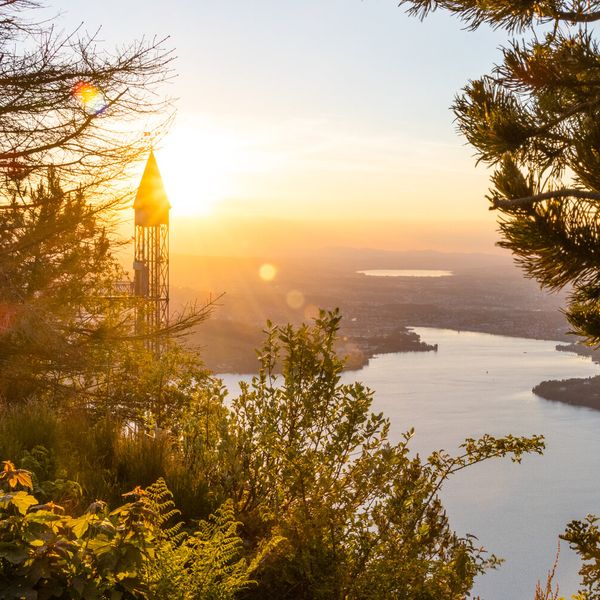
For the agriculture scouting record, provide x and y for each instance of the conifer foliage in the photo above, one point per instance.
(56, 266)
(536, 120)
(72, 116)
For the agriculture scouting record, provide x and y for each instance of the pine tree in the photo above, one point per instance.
(536, 120)
(66, 334)
(55, 268)
(71, 123)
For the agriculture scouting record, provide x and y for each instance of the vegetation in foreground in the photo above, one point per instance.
(138, 550)
(323, 504)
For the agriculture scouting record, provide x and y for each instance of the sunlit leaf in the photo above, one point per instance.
(81, 525)
(21, 500)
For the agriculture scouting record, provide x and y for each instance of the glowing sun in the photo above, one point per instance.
(196, 167)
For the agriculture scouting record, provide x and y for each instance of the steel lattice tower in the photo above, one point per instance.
(151, 258)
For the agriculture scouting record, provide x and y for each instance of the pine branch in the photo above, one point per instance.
(552, 195)
(577, 17)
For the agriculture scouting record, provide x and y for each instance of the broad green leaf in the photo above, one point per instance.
(43, 516)
(12, 552)
(22, 501)
(80, 526)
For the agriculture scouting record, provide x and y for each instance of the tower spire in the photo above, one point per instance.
(151, 204)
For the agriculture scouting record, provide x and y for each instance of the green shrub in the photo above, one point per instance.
(361, 517)
(130, 552)
(141, 459)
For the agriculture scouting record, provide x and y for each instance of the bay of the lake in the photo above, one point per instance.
(405, 273)
(479, 383)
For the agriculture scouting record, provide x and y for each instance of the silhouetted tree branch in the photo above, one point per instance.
(508, 204)
(43, 122)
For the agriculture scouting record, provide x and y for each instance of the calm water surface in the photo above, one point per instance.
(476, 384)
(405, 273)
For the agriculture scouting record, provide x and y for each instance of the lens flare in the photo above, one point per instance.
(90, 97)
(267, 272)
(295, 299)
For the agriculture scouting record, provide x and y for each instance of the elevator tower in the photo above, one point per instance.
(151, 254)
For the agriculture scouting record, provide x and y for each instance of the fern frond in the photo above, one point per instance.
(169, 516)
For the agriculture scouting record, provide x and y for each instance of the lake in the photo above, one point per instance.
(405, 273)
(479, 383)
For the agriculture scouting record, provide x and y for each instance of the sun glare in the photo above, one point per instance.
(197, 170)
(267, 272)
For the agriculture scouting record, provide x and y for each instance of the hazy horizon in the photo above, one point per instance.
(247, 235)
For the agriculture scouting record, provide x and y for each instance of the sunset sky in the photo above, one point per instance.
(328, 116)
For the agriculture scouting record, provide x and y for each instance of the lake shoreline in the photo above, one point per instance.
(359, 350)
(575, 391)
(584, 392)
